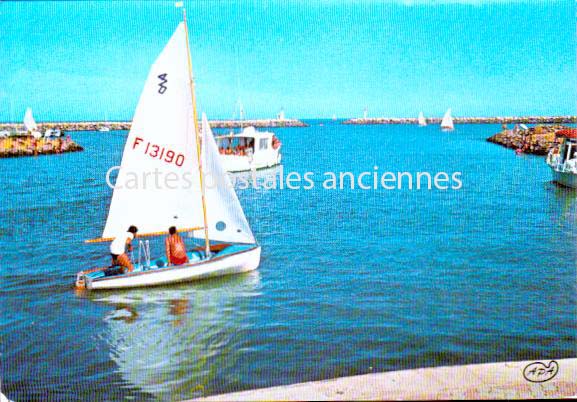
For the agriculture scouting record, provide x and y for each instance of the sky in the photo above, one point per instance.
(88, 60)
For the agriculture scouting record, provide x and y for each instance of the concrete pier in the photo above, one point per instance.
(125, 125)
(469, 120)
(508, 380)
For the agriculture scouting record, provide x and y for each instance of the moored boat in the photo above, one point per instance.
(165, 137)
(562, 159)
(249, 150)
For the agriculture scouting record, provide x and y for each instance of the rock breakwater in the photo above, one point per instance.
(28, 146)
(535, 140)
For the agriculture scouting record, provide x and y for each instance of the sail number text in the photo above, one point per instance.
(158, 152)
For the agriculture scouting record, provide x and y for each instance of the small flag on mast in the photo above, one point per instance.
(179, 4)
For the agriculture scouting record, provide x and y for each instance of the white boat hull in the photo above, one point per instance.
(566, 179)
(235, 163)
(243, 261)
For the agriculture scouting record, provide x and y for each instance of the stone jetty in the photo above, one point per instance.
(125, 125)
(534, 140)
(469, 120)
(29, 146)
(507, 380)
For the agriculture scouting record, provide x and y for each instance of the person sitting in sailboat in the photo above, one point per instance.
(175, 248)
(118, 248)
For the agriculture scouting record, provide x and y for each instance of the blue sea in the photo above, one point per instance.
(351, 281)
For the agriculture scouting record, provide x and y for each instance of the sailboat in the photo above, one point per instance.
(105, 127)
(30, 124)
(165, 137)
(447, 122)
(422, 121)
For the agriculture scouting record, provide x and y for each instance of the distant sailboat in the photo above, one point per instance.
(447, 122)
(105, 128)
(30, 124)
(334, 117)
(166, 114)
(422, 120)
(365, 114)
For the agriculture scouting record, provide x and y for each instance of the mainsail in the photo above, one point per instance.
(422, 121)
(447, 122)
(158, 182)
(29, 121)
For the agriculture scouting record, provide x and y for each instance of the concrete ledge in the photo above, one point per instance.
(478, 381)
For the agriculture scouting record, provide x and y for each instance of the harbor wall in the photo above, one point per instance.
(469, 120)
(125, 125)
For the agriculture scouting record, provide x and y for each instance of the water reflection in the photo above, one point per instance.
(567, 199)
(175, 342)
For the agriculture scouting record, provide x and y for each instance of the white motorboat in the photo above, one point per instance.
(249, 150)
(562, 159)
(52, 132)
(447, 122)
(165, 137)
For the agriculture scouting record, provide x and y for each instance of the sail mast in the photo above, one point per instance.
(196, 131)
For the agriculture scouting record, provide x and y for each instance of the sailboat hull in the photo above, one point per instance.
(221, 264)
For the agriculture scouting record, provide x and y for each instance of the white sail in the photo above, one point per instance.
(447, 122)
(422, 121)
(158, 183)
(29, 121)
(225, 217)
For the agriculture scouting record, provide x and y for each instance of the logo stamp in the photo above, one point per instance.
(162, 85)
(540, 372)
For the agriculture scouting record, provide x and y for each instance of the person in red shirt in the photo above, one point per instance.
(175, 248)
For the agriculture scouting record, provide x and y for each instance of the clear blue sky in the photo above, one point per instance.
(88, 60)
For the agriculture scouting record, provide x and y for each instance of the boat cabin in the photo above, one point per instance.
(249, 149)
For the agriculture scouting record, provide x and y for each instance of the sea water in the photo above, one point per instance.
(351, 281)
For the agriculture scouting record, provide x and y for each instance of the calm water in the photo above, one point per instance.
(350, 281)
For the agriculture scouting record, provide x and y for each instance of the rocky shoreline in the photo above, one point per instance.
(469, 120)
(125, 125)
(535, 140)
(13, 147)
